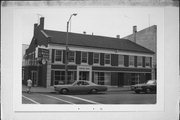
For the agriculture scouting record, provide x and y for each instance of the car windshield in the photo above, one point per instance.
(151, 82)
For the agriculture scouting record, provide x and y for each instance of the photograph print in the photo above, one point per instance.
(99, 56)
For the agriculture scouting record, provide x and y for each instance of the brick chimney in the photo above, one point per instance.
(118, 36)
(35, 26)
(134, 33)
(41, 25)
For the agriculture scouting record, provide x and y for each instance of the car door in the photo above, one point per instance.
(78, 87)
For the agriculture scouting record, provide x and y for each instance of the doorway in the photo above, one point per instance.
(84, 75)
(34, 77)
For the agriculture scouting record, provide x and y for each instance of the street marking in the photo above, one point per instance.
(30, 99)
(82, 99)
(58, 99)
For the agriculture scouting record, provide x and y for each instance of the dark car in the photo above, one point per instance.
(80, 86)
(149, 87)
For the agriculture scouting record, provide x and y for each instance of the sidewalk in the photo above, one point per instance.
(51, 89)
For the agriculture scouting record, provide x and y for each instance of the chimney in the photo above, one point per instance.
(118, 36)
(35, 26)
(41, 26)
(134, 33)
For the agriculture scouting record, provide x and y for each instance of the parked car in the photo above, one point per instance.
(80, 86)
(148, 87)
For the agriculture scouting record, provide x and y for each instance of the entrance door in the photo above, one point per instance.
(34, 77)
(84, 75)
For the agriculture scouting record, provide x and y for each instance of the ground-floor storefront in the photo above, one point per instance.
(113, 76)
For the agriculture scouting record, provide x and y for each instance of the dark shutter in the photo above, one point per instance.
(53, 55)
(135, 61)
(102, 59)
(114, 59)
(78, 57)
(52, 77)
(126, 60)
(90, 58)
(64, 52)
(144, 61)
(150, 61)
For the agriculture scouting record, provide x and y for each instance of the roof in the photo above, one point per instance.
(58, 37)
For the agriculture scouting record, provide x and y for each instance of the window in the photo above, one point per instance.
(107, 59)
(102, 78)
(71, 56)
(58, 56)
(131, 61)
(84, 57)
(59, 77)
(139, 61)
(121, 60)
(147, 61)
(96, 58)
(99, 78)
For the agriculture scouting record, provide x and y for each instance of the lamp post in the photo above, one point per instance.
(67, 49)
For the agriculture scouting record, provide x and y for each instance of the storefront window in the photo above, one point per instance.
(102, 78)
(139, 61)
(96, 58)
(121, 60)
(84, 58)
(59, 77)
(58, 56)
(71, 57)
(131, 61)
(107, 59)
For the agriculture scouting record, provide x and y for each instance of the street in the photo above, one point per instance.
(120, 97)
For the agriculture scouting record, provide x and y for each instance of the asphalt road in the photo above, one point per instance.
(122, 97)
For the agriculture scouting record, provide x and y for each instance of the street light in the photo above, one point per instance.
(67, 50)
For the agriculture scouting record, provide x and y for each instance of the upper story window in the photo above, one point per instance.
(84, 57)
(71, 57)
(147, 61)
(139, 61)
(58, 56)
(96, 58)
(107, 59)
(131, 61)
(121, 60)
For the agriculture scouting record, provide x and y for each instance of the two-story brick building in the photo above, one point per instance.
(100, 59)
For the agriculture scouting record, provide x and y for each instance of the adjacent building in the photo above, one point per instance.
(147, 38)
(102, 60)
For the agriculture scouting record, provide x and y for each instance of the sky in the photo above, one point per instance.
(103, 21)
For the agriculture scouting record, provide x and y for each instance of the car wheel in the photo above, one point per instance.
(94, 91)
(137, 91)
(64, 91)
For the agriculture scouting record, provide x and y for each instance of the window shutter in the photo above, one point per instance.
(53, 55)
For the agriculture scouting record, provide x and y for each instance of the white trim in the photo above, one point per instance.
(120, 65)
(99, 50)
(119, 71)
(44, 33)
(58, 62)
(93, 58)
(72, 63)
(139, 66)
(105, 60)
(87, 58)
(131, 66)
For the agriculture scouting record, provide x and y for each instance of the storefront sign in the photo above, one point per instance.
(43, 53)
(84, 68)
